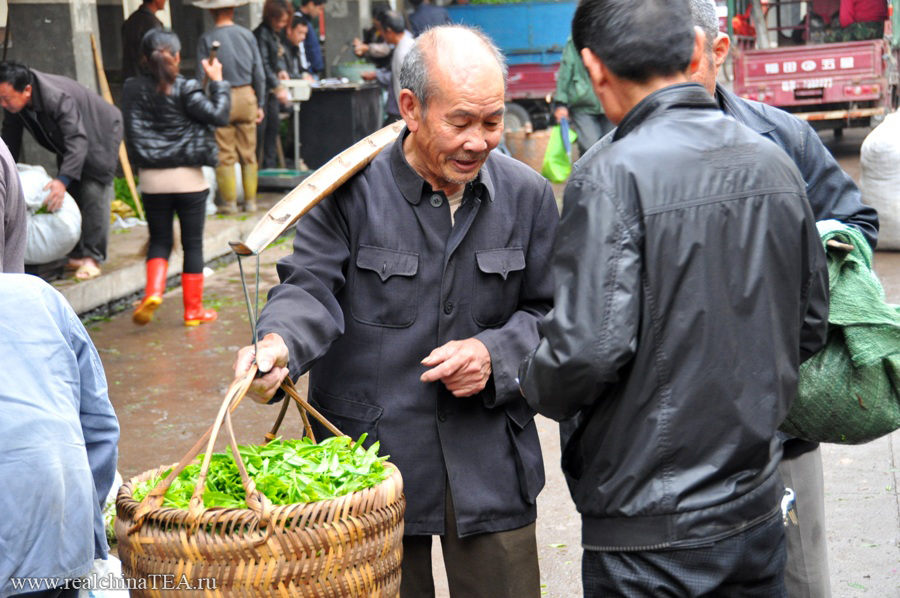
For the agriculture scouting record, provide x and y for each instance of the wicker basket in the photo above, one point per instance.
(347, 546)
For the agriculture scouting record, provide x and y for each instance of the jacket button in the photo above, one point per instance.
(448, 308)
(442, 416)
(436, 200)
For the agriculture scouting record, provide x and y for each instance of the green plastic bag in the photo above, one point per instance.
(557, 164)
(849, 392)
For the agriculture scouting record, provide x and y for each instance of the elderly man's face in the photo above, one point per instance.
(14, 101)
(463, 123)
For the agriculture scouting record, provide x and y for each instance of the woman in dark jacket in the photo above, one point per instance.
(268, 35)
(169, 124)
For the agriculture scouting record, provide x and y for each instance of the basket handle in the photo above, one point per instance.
(256, 500)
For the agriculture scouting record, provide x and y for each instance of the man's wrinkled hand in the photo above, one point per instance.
(463, 366)
(271, 361)
(57, 192)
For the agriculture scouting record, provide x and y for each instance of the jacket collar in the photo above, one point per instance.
(414, 187)
(682, 95)
(740, 111)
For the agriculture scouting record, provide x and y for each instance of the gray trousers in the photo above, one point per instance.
(806, 574)
(93, 199)
(494, 565)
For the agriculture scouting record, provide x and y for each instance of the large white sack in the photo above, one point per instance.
(880, 178)
(50, 236)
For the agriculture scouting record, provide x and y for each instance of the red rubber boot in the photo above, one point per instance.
(194, 314)
(157, 268)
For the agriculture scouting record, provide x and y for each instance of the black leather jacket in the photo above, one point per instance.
(272, 53)
(168, 131)
(691, 283)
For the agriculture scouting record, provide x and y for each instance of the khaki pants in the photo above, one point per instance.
(237, 140)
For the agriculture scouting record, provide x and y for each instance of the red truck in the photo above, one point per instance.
(830, 85)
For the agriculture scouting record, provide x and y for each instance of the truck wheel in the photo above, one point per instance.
(515, 117)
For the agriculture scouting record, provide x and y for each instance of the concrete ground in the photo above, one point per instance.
(166, 382)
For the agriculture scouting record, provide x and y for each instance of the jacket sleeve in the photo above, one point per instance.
(314, 51)
(268, 60)
(832, 193)
(99, 424)
(214, 109)
(814, 329)
(592, 331)
(303, 308)
(564, 75)
(509, 343)
(259, 76)
(13, 128)
(67, 117)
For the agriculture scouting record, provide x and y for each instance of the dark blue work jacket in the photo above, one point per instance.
(379, 278)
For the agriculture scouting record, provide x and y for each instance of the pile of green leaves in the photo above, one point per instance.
(285, 471)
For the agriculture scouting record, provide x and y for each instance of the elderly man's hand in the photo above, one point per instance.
(272, 360)
(57, 192)
(463, 366)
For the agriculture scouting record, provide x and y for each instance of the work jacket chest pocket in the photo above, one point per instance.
(385, 287)
(498, 281)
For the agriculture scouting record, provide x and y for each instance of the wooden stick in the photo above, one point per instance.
(123, 155)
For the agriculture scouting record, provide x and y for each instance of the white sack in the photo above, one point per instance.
(50, 236)
(880, 178)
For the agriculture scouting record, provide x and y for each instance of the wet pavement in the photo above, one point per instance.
(167, 381)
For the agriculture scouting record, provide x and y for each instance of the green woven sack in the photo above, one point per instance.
(849, 392)
(557, 164)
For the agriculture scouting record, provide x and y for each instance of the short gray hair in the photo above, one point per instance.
(703, 13)
(415, 74)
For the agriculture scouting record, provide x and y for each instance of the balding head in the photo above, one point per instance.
(450, 50)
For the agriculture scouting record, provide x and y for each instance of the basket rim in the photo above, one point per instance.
(126, 505)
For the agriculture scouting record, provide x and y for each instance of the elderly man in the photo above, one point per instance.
(84, 131)
(411, 296)
(691, 283)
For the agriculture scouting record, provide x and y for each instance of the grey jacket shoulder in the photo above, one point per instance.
(831, 191)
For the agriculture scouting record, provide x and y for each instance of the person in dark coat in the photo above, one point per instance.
(170, 120)
(268, 35)
(690, 284)
(426, 15)
(84, 131)
(832, 195)
(133, 29)
(311, 9)
(412, 294)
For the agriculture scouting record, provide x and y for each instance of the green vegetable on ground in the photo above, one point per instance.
(285, 471)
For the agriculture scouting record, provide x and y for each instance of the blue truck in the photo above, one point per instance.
(532, 36)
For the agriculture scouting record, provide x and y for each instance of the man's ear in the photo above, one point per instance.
(720, 49)
(410, 109)
(594, 68)
(699, 45)
(27, 92)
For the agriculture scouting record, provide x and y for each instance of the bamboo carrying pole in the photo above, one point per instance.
(123, 155)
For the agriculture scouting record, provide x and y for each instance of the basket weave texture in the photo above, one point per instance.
(346, 546)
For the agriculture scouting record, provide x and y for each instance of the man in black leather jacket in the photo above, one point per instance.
(832, 194)
(691, 283)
